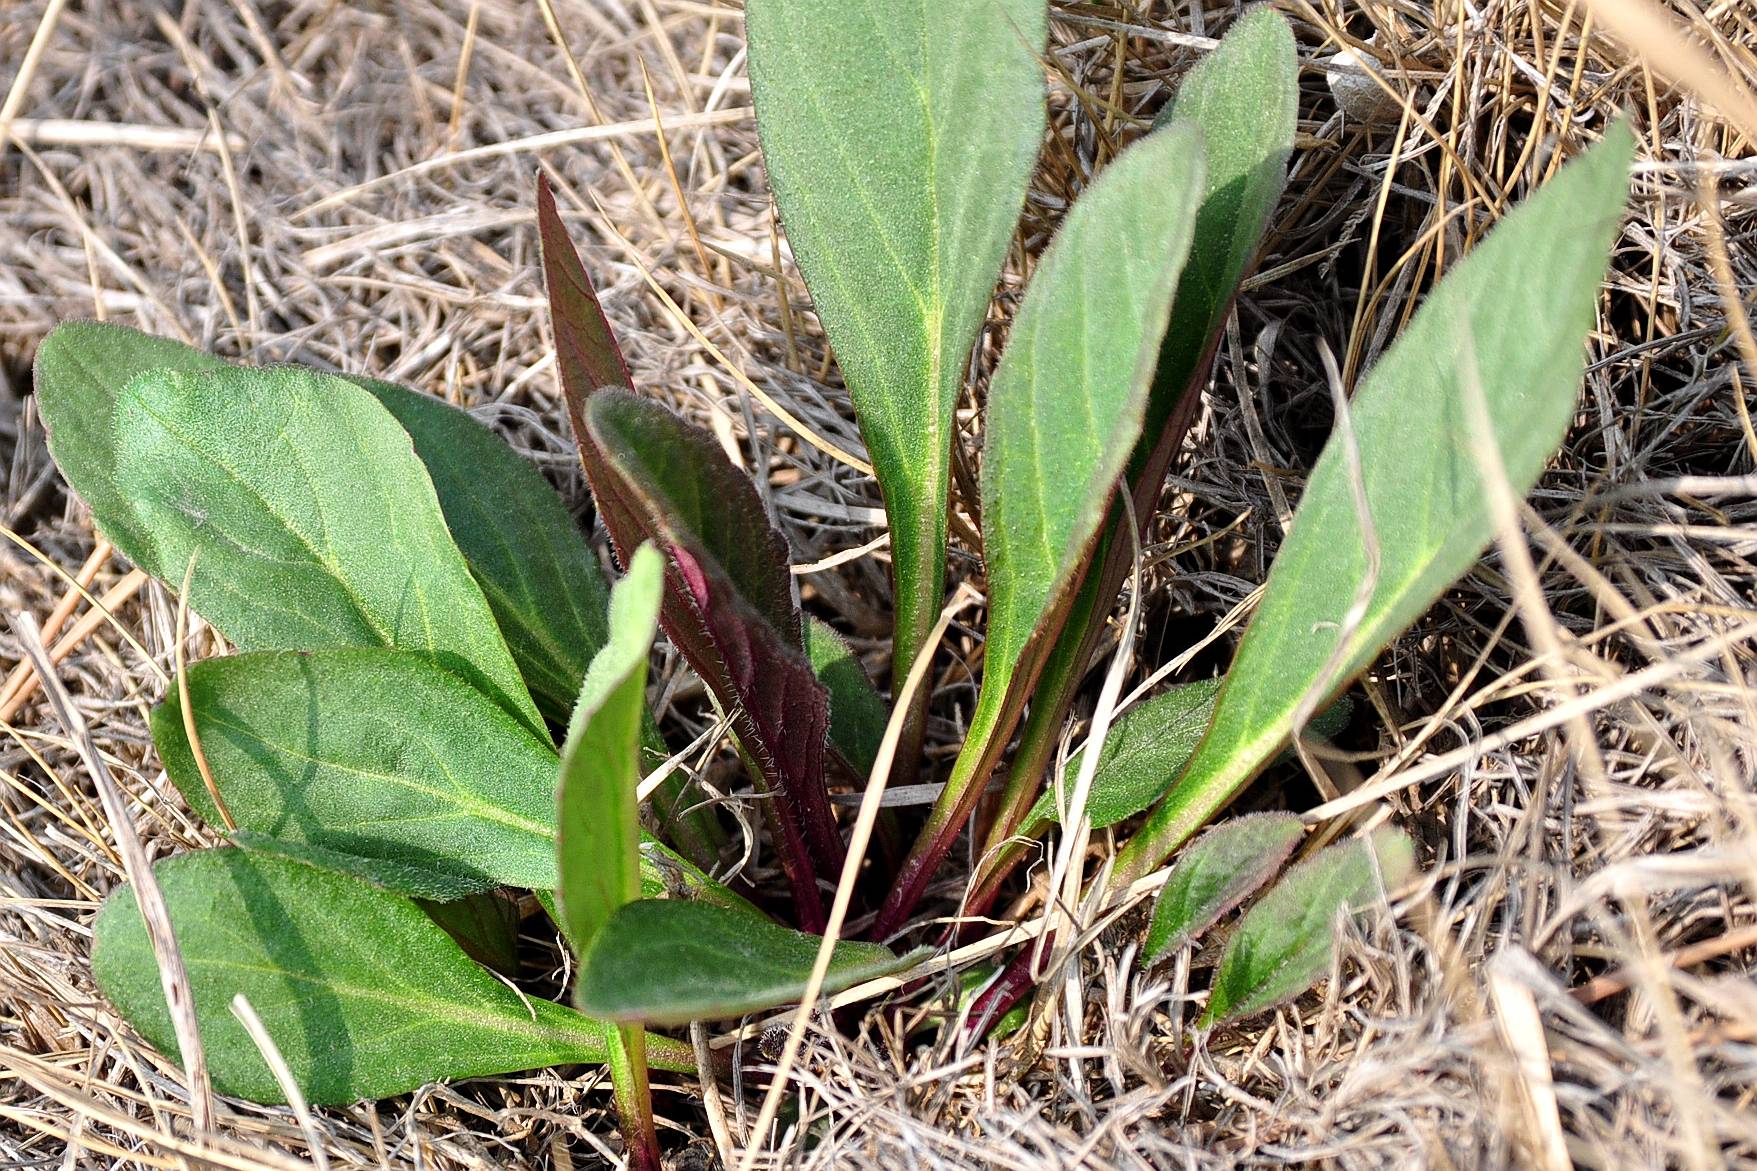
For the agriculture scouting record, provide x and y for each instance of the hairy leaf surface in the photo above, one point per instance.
(363, 994)
(670, 962)
(898, 140)
(1147, 748)
(316, 524)
(1244, 97)
(1513, 314)
(1063, 413)
(378, 764)
(1283, 944)
(524, 550)
(1217, 872)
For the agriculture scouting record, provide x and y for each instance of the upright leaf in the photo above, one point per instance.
(1283, 944)
(857, 712)
(1244, 97)
(600, 840)
(316, 524)
(899, 139)
(729, 609)
(1519, 305)
(363, 994)
(1064, 412)
(599, 844)
(670, 962)
(378, 764)
(1216, 873)
(729, 597)
(539, 576)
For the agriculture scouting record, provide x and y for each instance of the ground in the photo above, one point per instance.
(350, 185)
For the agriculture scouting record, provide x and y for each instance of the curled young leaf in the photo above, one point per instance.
(598, 846)
(729, 609)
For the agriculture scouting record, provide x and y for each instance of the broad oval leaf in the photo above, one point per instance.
(1215, 873)
(1064, 412)
(316, 524)
(363, 994)
(670, 962)
(857, 712)
(898, 139)
(729, 609)
(378, 764)
(540, 578)
(372, 755)
(598, 847)
(1520, 304)
(80, 369)
(1282, 946)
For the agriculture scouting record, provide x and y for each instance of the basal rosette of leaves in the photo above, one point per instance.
(438, 696)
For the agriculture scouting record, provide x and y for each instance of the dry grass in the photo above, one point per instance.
(351, 185)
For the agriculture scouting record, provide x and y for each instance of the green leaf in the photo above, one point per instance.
(599, 844)
(1244, 97)
(1144, 750)
(539, 576)
(1283, 944)
(373, 755)
(317, 525)
(362, 993)
(378, 764)
(670, 962)
(857, 712)
(541, 579)
(1063, 413)
(1065, 406)
(1216, 873)
(898, 139)
(1148, 747)
(598, 848)
(80, 369)
(1520, 305)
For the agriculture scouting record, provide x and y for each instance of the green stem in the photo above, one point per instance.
(634, 1101)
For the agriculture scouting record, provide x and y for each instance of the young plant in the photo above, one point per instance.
(415, 609)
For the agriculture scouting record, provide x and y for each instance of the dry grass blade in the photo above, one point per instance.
(139, 867)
